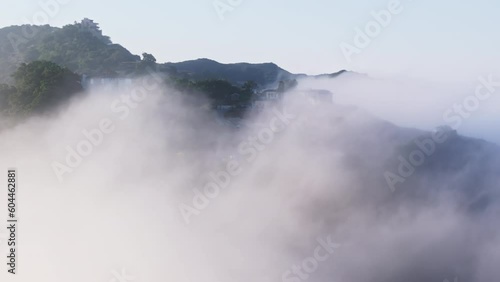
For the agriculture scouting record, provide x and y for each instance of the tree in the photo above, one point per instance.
(286, 85)
(41, 85)
(249, 86)
(248, 90)
(219, 91)
(148, 62)
(5, 92)
(148, 58)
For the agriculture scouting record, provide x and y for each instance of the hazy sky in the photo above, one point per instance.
(449, 39)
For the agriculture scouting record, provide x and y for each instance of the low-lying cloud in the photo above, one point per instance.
(116, 215)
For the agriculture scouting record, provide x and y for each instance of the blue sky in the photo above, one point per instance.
(449, 39)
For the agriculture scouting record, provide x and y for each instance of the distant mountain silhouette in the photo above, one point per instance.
(238, 73)
(82, 48)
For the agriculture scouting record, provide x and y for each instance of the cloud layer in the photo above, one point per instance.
(304, 174)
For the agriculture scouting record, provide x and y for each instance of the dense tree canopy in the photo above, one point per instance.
(39, 86)
(5, 92)
(220, 92)
(81, 48)
(148, 58)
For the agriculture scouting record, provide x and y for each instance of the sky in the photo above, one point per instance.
(452, 40)
(320, 175)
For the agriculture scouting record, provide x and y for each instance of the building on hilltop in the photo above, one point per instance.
(105, 82)
(266, 98)
(87, 23)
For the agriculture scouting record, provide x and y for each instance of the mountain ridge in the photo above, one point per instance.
(82, 48)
